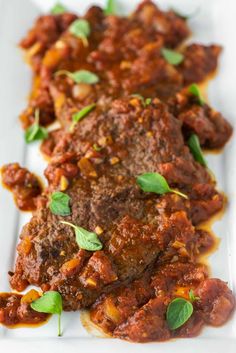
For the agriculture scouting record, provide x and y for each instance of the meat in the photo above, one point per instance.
(138, 312)
(24, 185)
(210, 126)
(216, 301)
(141, 119)
(119, 49)
(199, 62)
(134, 226)
(147, 324)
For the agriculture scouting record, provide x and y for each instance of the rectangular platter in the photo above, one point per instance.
(214, 22)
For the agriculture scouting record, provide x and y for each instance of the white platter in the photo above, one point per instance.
(215, 22)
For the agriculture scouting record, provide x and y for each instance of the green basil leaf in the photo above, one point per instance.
(145, 102)
(81, 76)
(49, 303)
(192, 296)
(195, 91)
(148, 101)
(59, 204)
(186, 17)
(83, 112)
(84, 76)
(81, 29)
(178, 312)
(58, 9)
(35, 131)
(195, 148)
(96, 147)
(85, 239)
(155, 182)
(171, 56)
(110, 8)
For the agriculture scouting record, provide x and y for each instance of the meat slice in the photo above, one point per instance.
(210, 126)
(199, 62)
(112, 309)
(137, 312)
(129, 132)
(24, 185)
(135, 227)
(147, 324)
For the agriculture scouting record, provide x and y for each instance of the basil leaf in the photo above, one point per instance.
(178, 312)
(145, 102)
(195, 148)
(35, 131)
(186, 17)
(155, 182)
(85, 239)
(81, 76)
(82, 114)
(148, 101)
(96, 147)
(110, 8)
(58, 9)
(192, 296)
(49, 303)
(195, 91)
(81, 29)
(59, 204)
(171, 56)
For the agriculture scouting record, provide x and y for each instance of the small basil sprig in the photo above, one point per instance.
(145, 101)
(186, 17)
(81, 29)
(97, 148)
(59, 204)
(81, 114)
(35, 131)
(58, 9)
(49, 303)
(178, 312)
(86, 240)
(195, 91)
(192, 296)
(110, 8)
(172, 56)
(81, 76)
(195, 148)
(155, 182)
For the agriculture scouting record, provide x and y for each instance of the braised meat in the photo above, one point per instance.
(135, 226)
(118, 50)
(138, 312)
(101, 240)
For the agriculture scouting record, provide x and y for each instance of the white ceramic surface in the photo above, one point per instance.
(215, 22)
